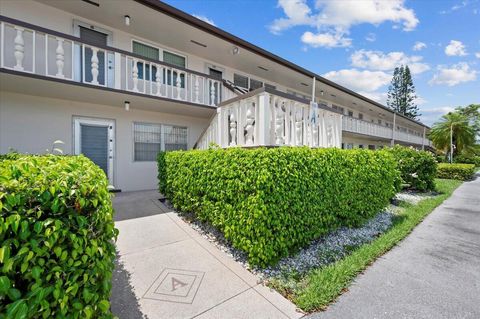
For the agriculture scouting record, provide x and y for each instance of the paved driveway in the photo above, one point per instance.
(167, 270)
(433, 273)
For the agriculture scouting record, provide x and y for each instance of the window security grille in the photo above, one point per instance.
(240, 80)
(255, 84)
(149, 139)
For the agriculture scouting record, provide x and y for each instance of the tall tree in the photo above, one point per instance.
(472, 113)
(401, 93)
(457, 124)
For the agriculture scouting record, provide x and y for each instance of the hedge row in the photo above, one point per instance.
(461, 172)
(268, 202)
(418, 169)
(56, 238)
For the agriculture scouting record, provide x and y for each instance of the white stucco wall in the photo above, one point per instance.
(31, 124)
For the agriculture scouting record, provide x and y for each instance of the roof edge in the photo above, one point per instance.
(204, 26)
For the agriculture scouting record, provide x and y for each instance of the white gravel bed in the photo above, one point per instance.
(320, 252)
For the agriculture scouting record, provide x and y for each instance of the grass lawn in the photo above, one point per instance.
(318, 288)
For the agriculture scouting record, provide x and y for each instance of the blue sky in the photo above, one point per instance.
(357, 43)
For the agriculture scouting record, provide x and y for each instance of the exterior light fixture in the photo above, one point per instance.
(127, 20)
(127, 106)
(235, 50)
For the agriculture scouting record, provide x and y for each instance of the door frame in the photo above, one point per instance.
(77, 121)
(110, 58)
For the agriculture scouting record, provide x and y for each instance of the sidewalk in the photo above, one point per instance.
(167, 270)
(433, 273)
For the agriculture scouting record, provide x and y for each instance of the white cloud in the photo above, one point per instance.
(371, 37)
(333, 19)
(359, 80)
(418, 46)
(455, 48)
(297, 13)
(205, 19)
(456, 74)
(477, 55)
(326, 40)
(377, 60)
(420, 100)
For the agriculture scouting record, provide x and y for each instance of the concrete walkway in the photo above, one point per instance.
(167, 270)
(433, 273)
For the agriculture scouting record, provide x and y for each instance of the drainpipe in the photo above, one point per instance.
(393, 128)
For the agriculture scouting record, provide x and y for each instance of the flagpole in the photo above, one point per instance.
(313, 89)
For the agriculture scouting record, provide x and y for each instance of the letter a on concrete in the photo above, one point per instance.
(176, 283)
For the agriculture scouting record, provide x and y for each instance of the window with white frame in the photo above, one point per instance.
(153, 53)
(246, 82)
(149, 139)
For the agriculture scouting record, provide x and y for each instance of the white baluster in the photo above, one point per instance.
(158, 79)
(233, 129)
(60, 58)
(94, 61)
(212, 92)
(250, 124)
(135, 75)
(279, 121)
(178, 84)
(197, 89)
(298, 126)
(19, 49)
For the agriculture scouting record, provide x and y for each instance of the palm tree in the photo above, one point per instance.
(453, 134)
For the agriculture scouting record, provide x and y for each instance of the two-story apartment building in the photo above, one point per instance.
(121, 80)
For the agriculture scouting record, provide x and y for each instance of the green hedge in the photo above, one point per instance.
(417, 168)
(461, 172)
(56, 238)
(463, 159)
(268, 202)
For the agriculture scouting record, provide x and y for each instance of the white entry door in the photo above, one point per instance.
(95, 138)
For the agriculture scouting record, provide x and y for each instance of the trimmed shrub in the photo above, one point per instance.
(417, 168)
(461, 172)
(464, 159)
(56, 238)
(268, 202)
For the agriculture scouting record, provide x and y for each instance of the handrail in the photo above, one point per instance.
(104, 47)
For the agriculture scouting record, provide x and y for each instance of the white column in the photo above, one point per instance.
(158, 80)
(118, 72)
(94, 61)
(393, 128)
(178, 83)
(423, 139)
(263, 119)
(135, 75)
(60, 58)
(196, 90)
(19, 49)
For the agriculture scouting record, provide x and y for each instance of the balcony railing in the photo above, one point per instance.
(36, 50)
(350, 124)
(267, 117)
(354, 125)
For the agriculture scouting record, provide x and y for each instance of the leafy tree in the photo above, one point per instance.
(401, 93)
(463, 133)
(472, 112)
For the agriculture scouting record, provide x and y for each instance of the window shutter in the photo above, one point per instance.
(145, 50)
(174, 59)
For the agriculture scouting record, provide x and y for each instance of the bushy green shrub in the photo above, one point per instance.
(268, 202)
(56, 238)
(465, 159)
(417, 168)
(461, 172)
